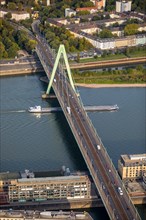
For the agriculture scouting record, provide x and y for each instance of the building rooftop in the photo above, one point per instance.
(9, 175)
(44, 179)
(133, 157)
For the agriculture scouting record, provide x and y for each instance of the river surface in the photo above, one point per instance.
(45, 142)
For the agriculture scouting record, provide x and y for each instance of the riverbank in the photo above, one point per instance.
(110, 85)
(31, 64)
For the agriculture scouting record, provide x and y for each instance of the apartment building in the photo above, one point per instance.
(132, 166)
(39, 189)
(123, 6)
(18, 16)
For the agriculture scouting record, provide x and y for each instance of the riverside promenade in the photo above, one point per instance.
(30, 65)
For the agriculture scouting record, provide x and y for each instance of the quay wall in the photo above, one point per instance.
(14, 69)
(66, 204)
(20, 71)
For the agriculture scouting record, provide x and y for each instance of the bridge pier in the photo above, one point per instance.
(48, 96)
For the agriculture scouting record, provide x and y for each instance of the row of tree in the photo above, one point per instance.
(59, 35)
(21, 5)
(129, 29)
(57, 10)
(130, 75)
(11, 40)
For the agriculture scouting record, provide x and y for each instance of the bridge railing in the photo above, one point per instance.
(111, 165)
(96, 137)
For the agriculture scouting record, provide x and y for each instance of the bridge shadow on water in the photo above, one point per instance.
(68, 138)
(66, 133)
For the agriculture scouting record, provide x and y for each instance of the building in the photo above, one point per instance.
(44, 2)
(29, 186)
(89, 9)
(144, 181)
(18, 16)
(123, 6)
(42, 215)
(132, 166)
(40, 189)
(99, 3)
(2, 2)
(69, 12)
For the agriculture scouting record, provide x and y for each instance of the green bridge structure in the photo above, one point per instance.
(107, 181)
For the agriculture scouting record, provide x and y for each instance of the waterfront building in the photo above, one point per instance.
(132, 166)
(144, 180)
(39, 189)
(42, 215)
(27, 186)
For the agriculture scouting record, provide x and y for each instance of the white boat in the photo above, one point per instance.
(36, 108)
(39, 109)
(114, 107)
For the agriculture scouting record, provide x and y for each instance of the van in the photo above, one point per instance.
(120, 191)
(68, 110)
(98, 147)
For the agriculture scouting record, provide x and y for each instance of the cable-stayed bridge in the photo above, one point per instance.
(109, 185)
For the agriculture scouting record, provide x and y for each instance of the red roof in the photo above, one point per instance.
(86, 9)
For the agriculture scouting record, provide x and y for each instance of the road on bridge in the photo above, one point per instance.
(103, 172)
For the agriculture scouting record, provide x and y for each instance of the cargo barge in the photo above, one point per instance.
(39, 109)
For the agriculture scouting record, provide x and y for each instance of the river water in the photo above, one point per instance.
(45, 142)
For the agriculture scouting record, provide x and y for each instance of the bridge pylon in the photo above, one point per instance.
(61, 52)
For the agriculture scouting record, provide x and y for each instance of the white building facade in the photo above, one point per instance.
(123, 6)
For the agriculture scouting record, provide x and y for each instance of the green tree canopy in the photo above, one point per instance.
(12, 6)
(105, 33)
(131, 29)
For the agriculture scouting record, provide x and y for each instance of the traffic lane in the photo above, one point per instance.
(116, 191)
(99, 164)
(78, 109)
(99, 151)
(111, 173)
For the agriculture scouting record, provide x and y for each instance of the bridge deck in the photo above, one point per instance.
(94, 153)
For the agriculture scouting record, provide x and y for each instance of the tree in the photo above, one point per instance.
(140, 68)
(13, 49)
(131, 29)
(12, 6)
(30, 45)
(127, 52)
(83, 13)
(20, 6)
(8, 15)
(78, 57)
(2, 49)
(105, 33)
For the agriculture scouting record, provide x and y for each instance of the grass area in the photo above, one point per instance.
(138, 54)
(135, 53)
(108, 57)
(137, 75)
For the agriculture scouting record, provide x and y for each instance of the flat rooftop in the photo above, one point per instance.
(133, 157)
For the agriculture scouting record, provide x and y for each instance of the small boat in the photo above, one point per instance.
(39, 109)
(36, 108)
(114, 107)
